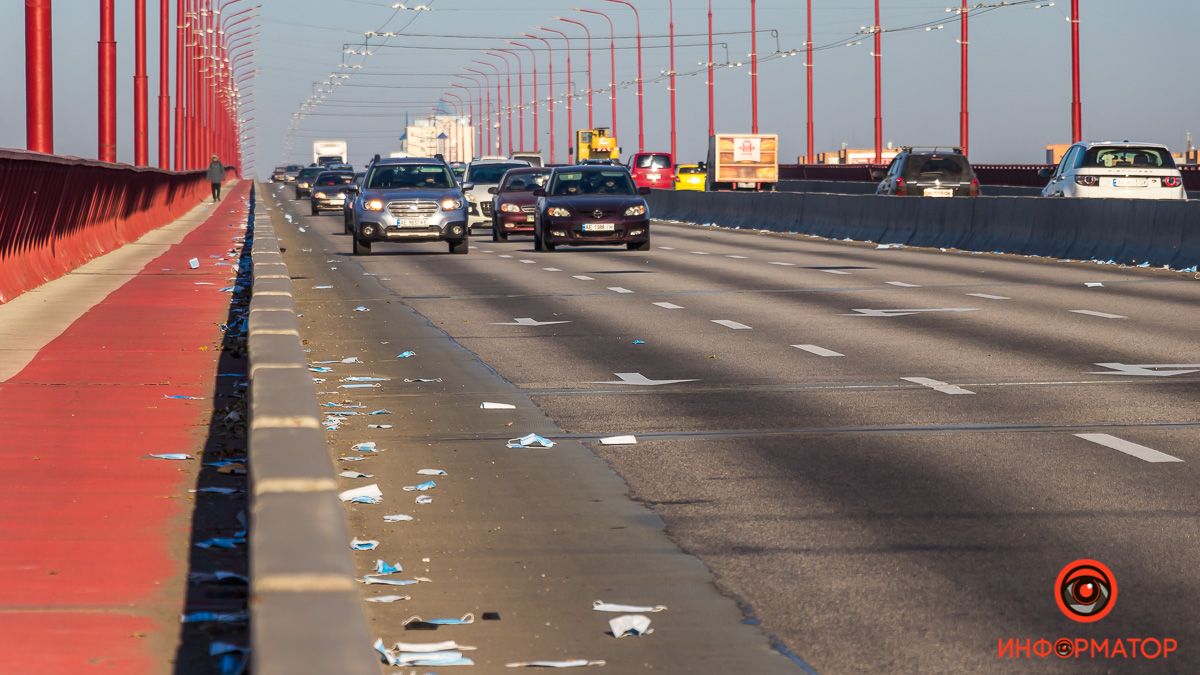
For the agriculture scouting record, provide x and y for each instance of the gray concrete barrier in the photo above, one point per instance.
(306, 615)
(1125, 231)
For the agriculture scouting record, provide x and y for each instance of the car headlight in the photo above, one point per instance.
(319, 195)
(303, 185)
(639, 210)
(510, 208)
(451, 204)
(373, 205)
(558, 212)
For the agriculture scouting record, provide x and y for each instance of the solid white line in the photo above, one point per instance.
(529, 262)
(736, 257)
(901, 284)
(618, 289)
(834, 271)
(484, 250)
(582, 277)
(731, 324)
(700, 253)
(782, 264)
(1140, 451)
(666, 305)
(937, 385)
(985, 296)
(819, 351)
(551, 269)
(667, 248)
(1102, 315)
(505, 255)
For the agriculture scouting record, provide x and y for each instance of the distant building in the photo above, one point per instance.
(447, 135)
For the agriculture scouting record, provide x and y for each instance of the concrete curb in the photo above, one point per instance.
(306, 615)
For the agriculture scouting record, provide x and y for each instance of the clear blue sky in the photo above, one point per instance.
(1137, 83)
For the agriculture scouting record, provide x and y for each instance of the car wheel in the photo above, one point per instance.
(504, 236)
(316, 211)
(460, 247)
(538, 245)
(495, 232)
(361, 247)
(642, 246)
(345, 225)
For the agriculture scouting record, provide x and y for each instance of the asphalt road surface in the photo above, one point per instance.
(884, 456)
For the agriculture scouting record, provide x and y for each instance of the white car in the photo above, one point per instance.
(483, 174)
(1116, 170)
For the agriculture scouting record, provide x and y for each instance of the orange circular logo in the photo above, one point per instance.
(1085, 591)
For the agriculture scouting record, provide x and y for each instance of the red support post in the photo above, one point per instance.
(141, 112)
(711, 77)
(164, 84)
(550, 100)
(964, 125)
(754, 66)
(640, 93)
(612, 68)
(878, 54)
(39, 77)
(537, 146)
(106, 140)
(808, 69)
(1076, 103)
(180, 135)
(671, 30)
(570, 132)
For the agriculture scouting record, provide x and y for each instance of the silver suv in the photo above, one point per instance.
(407, 199)
(481, 175)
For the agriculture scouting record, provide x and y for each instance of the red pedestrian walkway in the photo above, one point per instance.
(96, 535)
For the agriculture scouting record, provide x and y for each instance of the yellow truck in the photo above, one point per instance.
(743, 162)
(596, 143)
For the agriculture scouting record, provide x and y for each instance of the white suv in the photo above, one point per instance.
(1116, 170)
(483, 174)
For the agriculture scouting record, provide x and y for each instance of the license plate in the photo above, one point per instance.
(1130, 182)
(598, 227)
(654, 176)
(939, 192)
(410, 222)
(747, 186)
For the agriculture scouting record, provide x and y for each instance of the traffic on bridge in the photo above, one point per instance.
(706, 336)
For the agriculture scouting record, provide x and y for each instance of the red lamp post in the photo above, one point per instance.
(808, 71)
(964, 126)
(474, 120)
(640, 94)
(180, 40)
(537, 143)
(878, 55)
(106, 140)
(164, 84)
(1076, 103)
(141, 142)
(520, 98)
(612, 67)
(588, 33)
(671, 29)
(488, 95)
(39, 77)
(754, 66)
(711, 76)
(550, 98)
(458, 109)
(507, 97)
(570, 92)
(499, 108)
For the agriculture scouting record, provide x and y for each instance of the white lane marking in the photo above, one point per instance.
(667, 248)
(1094, 284)
(901, 284)
(834, 271)
(819, 351)
(736, 257)
(667, 305)
(906, 312)
(618, 289)
(731, 324)
(937, 385)
(505, 255)
(1102, 315)
(782, 264)
(486, 250)
(1147, 369)
(582, 277)
(527, 321)
(1140, 451)
(551, 269)
(529, 262)
(985, 296)
(640, 380)
(700, 253)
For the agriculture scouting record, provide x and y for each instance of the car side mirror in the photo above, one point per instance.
(468, 186)
(353, 189)
(540, 192)
(876, 174)
(493, 191)
(643, 191)
(1046, 172)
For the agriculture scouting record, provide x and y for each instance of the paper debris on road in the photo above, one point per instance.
(406, 355)
(397, 518)
(352, 458)
(379, 426)
(364, 544)
(424, 499)
(368, 446)
(575, 663)
(420, 487)
(376, 580)
(355, 474)
(431, 472)
(884, 247)
(360, 386)
(619, 440)
(423, 379)
(361, 308)
(530, 441)
(194, 263)
(171, 455)
(383, 567)
(359, 378)
(426, 647)
(630, 624)
(463, 620)
(601, 606)
(488, 405)
(382, 411)
(389, 598)
(371, 491)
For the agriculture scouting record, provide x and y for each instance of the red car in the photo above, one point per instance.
(653, 170)
(513, 203)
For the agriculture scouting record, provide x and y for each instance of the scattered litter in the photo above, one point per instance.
(420, 487)
(576, 663)
(421, 647)
(364, 545)
(371, 491)
(601, 606)
(301, 230)
(368, 446)
(171, 455)
(630, 624)
(194, 263)
(355, 474)
(619, 440)
(423, 379)
(382, 411)
(361, 308)
(360, 386)
(349, 359)
(379, 426)
(234, 659)
(352, 458)
(389, 598)
(184, 397)
(374, 580)
(359, 378)
(639, 342)
(488, 405)
(323, 287)
(883, 247)
(383, 567)
(215, 617)
(530, 441)
(422, 658)
(204, 283)
(320, 369)
(397, 518)
(465, 619)
(406, 355)
(424, 499)
(431, 472)
(1093, 284)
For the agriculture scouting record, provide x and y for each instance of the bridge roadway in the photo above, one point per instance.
(882, 491)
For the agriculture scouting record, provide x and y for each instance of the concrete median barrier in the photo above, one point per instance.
(306, 615)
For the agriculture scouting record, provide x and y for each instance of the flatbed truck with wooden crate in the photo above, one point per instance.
(743, 162)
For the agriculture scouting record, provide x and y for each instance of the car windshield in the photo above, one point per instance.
(410, 176)
(652, 161)
(689, 170)
(489, 173)
(327, 179)
(1108, 157)
(312, 172)
(525, 182)
(294, 167)
(953, 167)
(569, 183)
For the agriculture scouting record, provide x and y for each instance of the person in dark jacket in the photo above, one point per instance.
(216, 174)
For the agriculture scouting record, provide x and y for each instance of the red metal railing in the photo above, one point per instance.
(57, 213)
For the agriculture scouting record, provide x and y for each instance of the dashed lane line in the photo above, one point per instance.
(667, 305)
(737, 257)
(834, 271)
(938, 385)
(618, 289)
(582, 277)
(819, 351)
(901, 284)
(731, 324)
(700, 253)
(782, 264)
(551, 269)
(667, 248)
(529, 262)
(986, 296)
(1102, 315)
(1140, 451)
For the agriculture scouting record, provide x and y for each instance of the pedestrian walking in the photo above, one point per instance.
(216, 174)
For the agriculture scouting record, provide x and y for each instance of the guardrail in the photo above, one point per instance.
(306, 613)
(1124, 231)
(1017, 175)
(56, 213)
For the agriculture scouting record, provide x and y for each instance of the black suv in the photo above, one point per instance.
(928, 172)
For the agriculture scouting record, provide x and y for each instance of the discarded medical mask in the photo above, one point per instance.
(427, 647)
(422, 379)
(365, 379)
(384, 567)
(194, 263)
(368, 446)
(371, 491)
(406, 355)
(424, 499)
(530, 441)
(360, 386)
(420, 487)
(374, 580)
(379, 426)
(601, 606)
(488, 405)
(574, 663)
(397, 518)
(361, 308)
(355, 474)
(176, 456)
(389, 598)
(364, 544)
(215, 617)
(463, 620)
(431, 472)
(630, 624)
